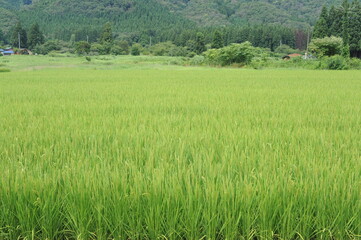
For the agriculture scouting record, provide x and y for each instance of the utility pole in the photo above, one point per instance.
(308, 42)
(19, 40)
(150, 41)
(87, 38)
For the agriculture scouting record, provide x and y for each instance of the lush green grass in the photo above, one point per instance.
(185, 153)
(66, 61)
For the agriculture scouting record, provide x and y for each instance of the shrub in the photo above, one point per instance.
(285, 50)
(336, 62)
(136, 49)
(354, 63)
(97, 49)
(197, 60)
(48, 47)
(82, 47)
(327, 46)
(168, 49)
(4, 70)
(120, 48)
(235, 53)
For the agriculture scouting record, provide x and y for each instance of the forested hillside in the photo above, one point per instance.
(264, 23)
(58, 17)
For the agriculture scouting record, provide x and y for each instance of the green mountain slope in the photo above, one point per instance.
(295, 13)
(60, 16)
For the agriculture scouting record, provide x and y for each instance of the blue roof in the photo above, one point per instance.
(11, 52)
(1, 50)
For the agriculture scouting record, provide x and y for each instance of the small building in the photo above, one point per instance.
(1, 50)
(24, 51)
(293, 55)
(8, 52)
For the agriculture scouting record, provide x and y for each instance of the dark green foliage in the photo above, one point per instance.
(200, 44)
(82, 47)
(107, 34)
(168, 49)
(48, 47)
(98, 49)
(355, 29)
(343, 21)
(2, 70)
(88, 34)
(16, 32)
(335, 21)
(336, 62)
(322, 26)
(217, 41)
(345, 29)
(120, 48)
(235, 53)
(285, 50)
(36, 37)
(2, 37)
(136, 49)
(67, 16)
(327, 46)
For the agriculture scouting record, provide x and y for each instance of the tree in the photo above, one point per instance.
(107, 34)
(235, 53)
(355, 29)
(48, 47)
(82, 47)
(18, 30)
(36, 37)
(327, 46)
(200, 45)
(120, 48)
(335, 21)
(136, 48)
(345, 29)
(2, 37)
(217, 41)
(321, 29)
(97, 48)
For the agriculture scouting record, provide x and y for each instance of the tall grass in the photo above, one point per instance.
(195, 154)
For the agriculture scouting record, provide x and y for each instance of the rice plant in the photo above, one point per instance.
(188, 153)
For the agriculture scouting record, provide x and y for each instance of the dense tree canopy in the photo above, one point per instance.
(19, 36)
(36, 37)
(342, 21)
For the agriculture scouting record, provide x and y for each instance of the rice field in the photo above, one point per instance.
(185, 153)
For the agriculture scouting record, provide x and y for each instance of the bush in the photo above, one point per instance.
(197, 60)
(355, 63)
(285, 50)
(168, 49)
(120, 48)
(336, 62)
(136, 49)
(327, 46)
(82, 47)
(48, 47)
(4, 70)
(233, 54)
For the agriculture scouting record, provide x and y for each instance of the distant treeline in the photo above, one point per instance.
(341, 21)
(260, 36)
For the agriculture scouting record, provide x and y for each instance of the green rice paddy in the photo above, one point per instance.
(179, 153)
